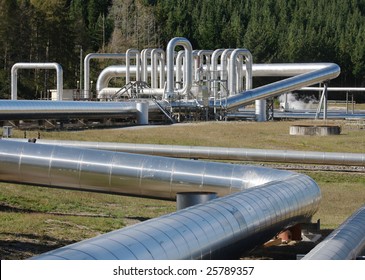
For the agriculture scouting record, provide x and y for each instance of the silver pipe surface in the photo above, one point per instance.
(330, 71)
(338, 114)
(344, 243)
(129, 54)
(35, 109)
(132, 174)
(87, 60)
(157, 54)
(349, 89)
(216, 153)
(263, 201)
(233, 69)
(188, 66)
(111, 72)
(220, 229)
(26, 65)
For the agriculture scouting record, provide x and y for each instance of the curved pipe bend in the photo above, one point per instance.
(262, 200)
(31, 65)
(188, 66)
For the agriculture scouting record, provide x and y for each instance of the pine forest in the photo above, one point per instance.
(275, 31)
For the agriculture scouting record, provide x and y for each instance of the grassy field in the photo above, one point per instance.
(35, 219)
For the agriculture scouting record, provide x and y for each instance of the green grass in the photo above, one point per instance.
(37, 219)
(267, 135)
(342, 194)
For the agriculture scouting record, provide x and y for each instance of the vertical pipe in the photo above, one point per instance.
(129, 54)
(325, 104)
(81, 55)
(188, 69)
(187, 199)
(146, 53)
(142, 113)
(155, 54)
(161, 64)
(179, 72)
(233, 72)
(216, 54)
(260, 110)
(224, 67)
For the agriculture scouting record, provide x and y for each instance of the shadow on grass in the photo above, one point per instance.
(13, 209)
(23, 246)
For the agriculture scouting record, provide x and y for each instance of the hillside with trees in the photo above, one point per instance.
(273, 30)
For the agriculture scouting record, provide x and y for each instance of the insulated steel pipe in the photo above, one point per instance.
(111, 72)
(14, 76)
(263, 200)
(324, 73)
(216, 153)
(133, 174)
(157, 55)
(87, 67)
(129, 54)
(344, 243)
(220, 229)
(188, 67)
(34, 109)
(233, 69)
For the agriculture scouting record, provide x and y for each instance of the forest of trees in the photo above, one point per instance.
(273, 30)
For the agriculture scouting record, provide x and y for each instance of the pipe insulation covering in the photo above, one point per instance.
(344, 243)
(216, 153)
(218, 229)
(35, 109)
(328, 72)
(31, 65)
(188, 66)
(258, 70)
(91, 56)
(124, 173)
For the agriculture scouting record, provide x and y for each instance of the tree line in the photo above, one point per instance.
(275, 31)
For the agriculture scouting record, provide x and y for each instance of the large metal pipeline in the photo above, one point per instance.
(220, 229)
(301, 75)
(325, 72)
(216, 153)
(35, 109)
(123, 173)
(344, 243)
(28, 65)
(264, 200)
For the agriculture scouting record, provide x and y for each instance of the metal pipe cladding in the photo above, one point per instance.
(255, 202)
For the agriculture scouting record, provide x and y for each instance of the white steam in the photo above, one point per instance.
(294, 103)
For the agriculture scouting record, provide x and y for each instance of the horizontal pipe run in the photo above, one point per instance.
(124, 173)
(217, 153)
(347, 242)
(344, 89)
(34, 109)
